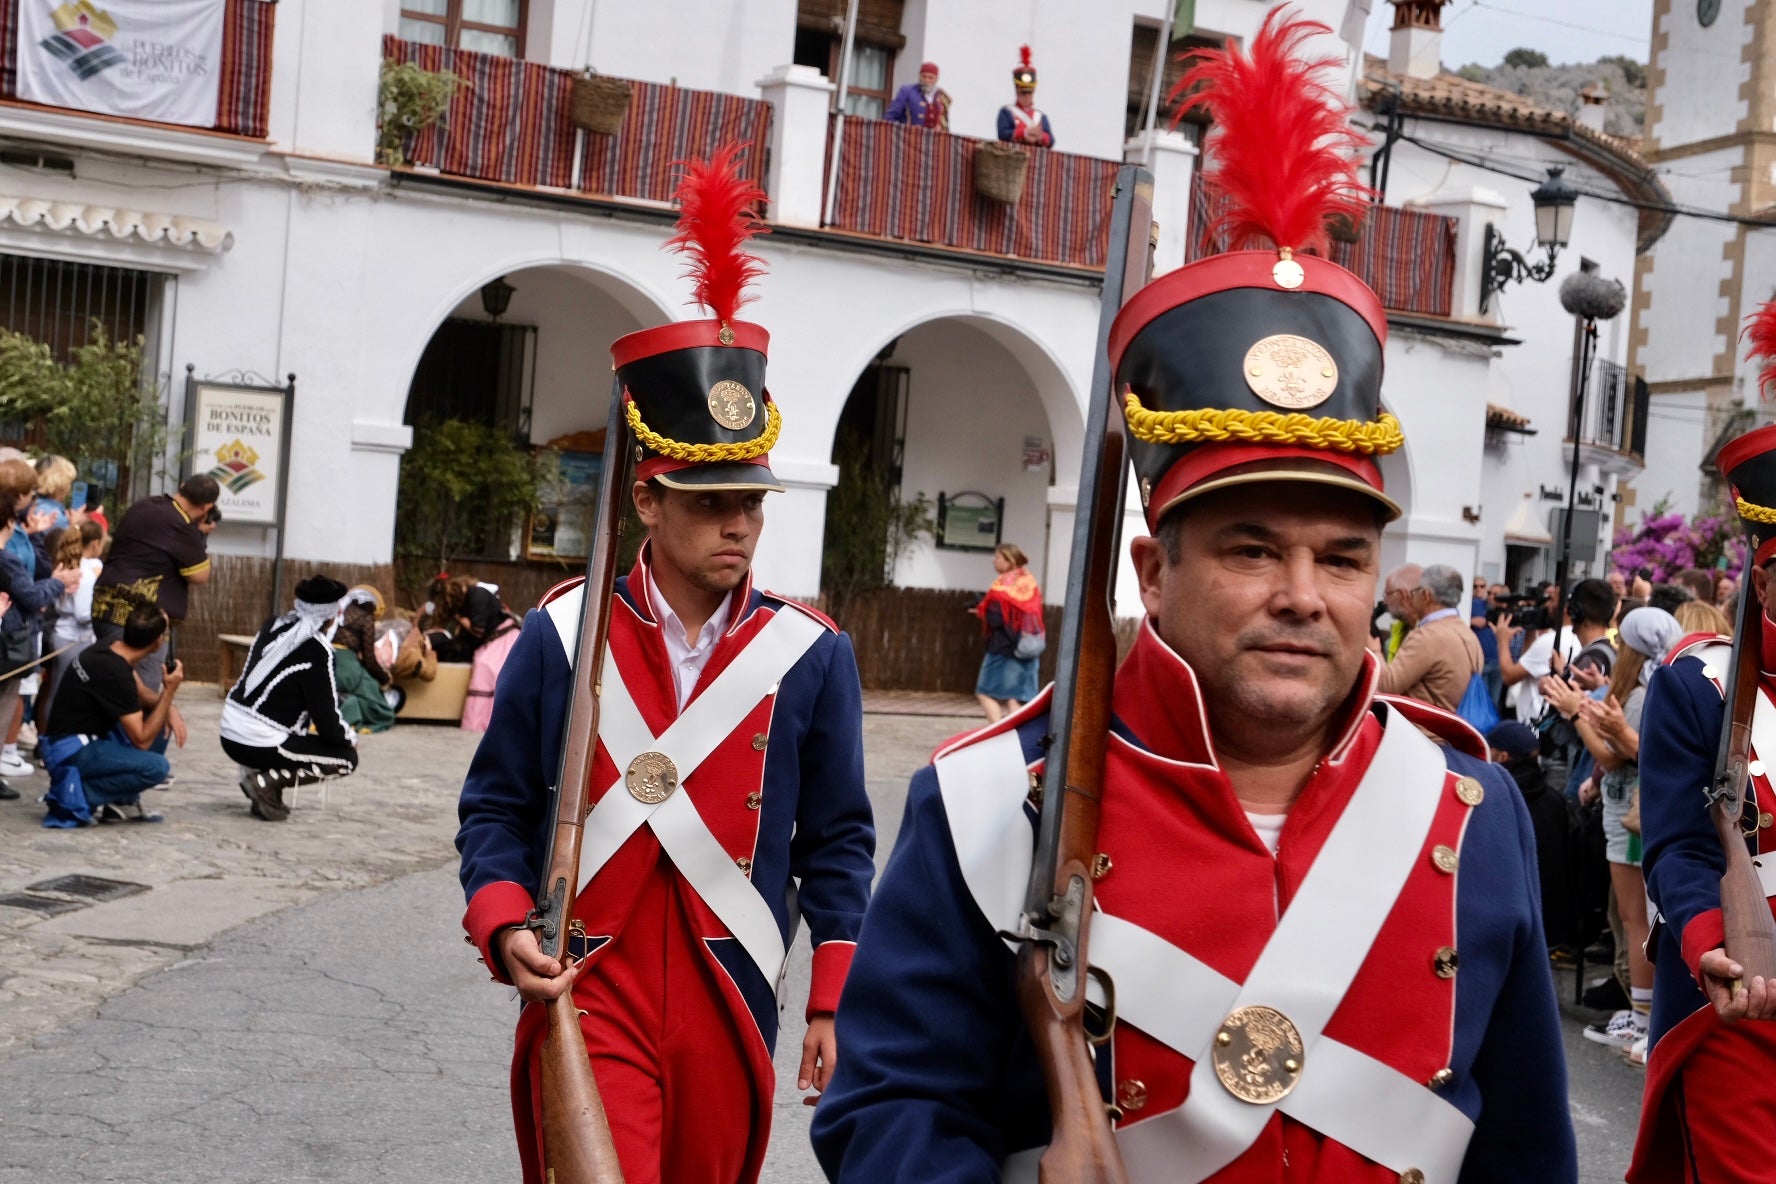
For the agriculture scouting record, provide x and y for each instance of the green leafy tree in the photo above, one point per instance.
(868, 527)
(464, 487)
(1533, 58)
(97, 408)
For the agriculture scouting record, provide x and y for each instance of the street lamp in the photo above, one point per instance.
(1554, 201)
(496, 297)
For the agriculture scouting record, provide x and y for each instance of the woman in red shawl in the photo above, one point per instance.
(1011, 621)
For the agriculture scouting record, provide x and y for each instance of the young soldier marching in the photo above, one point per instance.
(728, 788)
(1320, 924)
(1709, 1113)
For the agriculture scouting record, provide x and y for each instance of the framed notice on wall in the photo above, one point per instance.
(561, 526)
(969, 521)
(239, 436)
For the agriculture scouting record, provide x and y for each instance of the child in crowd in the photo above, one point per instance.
(80, 544)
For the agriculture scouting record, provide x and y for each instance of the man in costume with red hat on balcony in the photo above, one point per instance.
(739, 701)
(1321, 924)
(1709, 1112)
(922, 103)
(1020, 122)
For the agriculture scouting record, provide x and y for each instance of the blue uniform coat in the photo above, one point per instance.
(937, 1080)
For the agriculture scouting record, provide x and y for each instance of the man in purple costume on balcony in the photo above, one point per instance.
(921, 103)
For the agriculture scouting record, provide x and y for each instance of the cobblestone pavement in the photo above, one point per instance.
(294, 1002)
(210, 864)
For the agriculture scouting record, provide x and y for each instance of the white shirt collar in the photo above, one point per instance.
(1439, 615)
(688, 658)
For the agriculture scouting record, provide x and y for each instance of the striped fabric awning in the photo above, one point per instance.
(509, 123)
(666, 125)
(244, 97)
(1406, 256)
(915, 183)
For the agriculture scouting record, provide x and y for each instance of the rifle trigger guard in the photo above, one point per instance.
(1104, 980)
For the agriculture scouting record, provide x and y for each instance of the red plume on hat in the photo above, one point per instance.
(1760, 329)
(717, 213)
(1282, 153)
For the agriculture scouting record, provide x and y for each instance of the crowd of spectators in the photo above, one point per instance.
(1558, 686)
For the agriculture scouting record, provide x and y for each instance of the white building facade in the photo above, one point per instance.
(296, 252)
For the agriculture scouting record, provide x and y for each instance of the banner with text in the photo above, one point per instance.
(158, 60)
(237, 438)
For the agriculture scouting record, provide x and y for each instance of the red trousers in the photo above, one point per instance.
(1725, 1102)
(668, 1054)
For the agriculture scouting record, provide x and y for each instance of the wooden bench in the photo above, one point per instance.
(233, 648)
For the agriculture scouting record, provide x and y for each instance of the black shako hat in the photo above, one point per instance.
(320, 589)
(1260, 365)
(694, 391)
(1748, 462)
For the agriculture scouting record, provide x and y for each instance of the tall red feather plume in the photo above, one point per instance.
(716, 215)
(1024, 56)
(1760, 328)
(1280, 153)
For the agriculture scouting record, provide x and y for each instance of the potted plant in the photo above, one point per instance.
(409, 100)
(598, 102)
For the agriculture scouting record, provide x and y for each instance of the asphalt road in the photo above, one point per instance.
(350, 1038)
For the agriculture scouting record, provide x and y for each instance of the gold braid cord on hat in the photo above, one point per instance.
(1208, 425)
(703, 454)
(1755, 512)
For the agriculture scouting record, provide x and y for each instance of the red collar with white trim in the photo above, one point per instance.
(1159, 700)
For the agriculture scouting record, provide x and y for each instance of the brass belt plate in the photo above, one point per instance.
(1258, 1054)
(651, 778)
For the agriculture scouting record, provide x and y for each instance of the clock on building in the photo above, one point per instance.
(1706, 11)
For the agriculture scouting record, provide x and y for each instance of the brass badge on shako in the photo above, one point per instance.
(1258, 1054)
(651, 778)
(1291, 372)
(731, 405)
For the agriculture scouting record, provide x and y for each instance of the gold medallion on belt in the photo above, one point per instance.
(651, 778)
(1258, 1054)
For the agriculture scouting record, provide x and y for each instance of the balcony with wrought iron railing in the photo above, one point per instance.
(1406, 256)
(929, 187)
(1612, 425)
(517, 123)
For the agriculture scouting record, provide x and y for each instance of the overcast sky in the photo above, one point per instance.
(1484, 31)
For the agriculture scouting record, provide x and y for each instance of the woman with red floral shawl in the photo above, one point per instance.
(1012, 608)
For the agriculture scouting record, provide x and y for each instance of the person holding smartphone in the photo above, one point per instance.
(110, 726)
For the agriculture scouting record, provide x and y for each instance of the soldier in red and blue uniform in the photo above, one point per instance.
(1317, 905)
(728, 792)
(1709, 1112)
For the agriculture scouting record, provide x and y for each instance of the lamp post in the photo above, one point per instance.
(1590, 298)
(1554, 200)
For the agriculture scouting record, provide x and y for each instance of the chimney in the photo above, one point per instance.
(1416, 49)
(1591, 104)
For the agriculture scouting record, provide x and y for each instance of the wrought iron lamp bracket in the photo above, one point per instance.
(1507, 265)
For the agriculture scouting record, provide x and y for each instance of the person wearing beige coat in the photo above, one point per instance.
(1440, 656)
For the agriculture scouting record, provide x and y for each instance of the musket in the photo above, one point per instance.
(1052, 968)
(1745, 911)
(576, 1136)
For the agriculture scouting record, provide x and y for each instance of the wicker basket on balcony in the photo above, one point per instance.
(999, 171)
(1344, 229)
(599, 103)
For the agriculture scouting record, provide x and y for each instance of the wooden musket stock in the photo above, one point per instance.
(1745, 912)
(576, 1137)
(1052, 967)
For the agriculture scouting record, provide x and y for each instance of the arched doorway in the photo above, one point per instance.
(962, 411)
(516, 374)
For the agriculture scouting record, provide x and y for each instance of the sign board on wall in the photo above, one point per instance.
(237, 437)
(157, 60)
